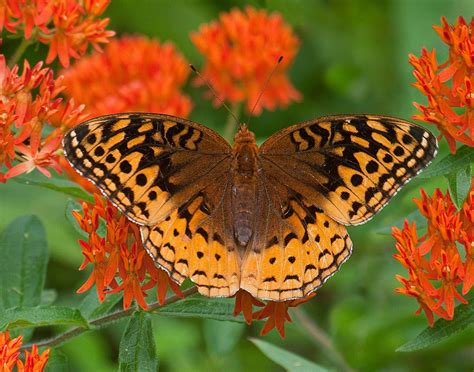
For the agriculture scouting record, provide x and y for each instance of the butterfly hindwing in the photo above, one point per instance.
(195, 241)
(295, 247)
(349, 165)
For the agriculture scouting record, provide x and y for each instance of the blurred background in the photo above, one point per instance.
(353, 58)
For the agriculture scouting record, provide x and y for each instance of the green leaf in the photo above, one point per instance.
(459, 183)
(57, 184)
(57, 361)
(198, 307)
(91, 308)
(40, 316)
(137, 347)
(442, 329)
(221, 337)
(287, 359)
(24, 258)
(416, 216)
(450, 163)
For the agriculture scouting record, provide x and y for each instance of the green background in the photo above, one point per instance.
(353, 58)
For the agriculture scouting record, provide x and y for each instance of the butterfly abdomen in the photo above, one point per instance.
(244, 185)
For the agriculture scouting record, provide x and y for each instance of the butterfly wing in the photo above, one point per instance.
(161, 172)
(195, 241)
(349, 166)
(295, 246)
(146, 164)
(316, 177)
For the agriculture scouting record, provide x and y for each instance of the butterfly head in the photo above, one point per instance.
(244, 135)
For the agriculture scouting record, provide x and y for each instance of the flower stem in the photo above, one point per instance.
(104, 320)
(231, 124)
(13, 60)
(320, 338)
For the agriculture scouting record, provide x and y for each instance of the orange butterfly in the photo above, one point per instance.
(269, 219)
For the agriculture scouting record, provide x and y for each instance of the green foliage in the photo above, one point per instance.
(40, 316)
(450, 163)
(289, 361)
(459, 183)
(57, 184)
(23, 265)
(197, 306)
(442, 329)
(137, 348)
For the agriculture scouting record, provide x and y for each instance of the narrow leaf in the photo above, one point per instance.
(57, 184)
(288, 360)
(137, 347)
(442, 329)
(450, 163)
(24, 258)
(197, 307)
(40, 316)
(459, 183)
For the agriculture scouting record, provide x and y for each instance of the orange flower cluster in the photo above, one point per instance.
(435, 265)
(134, 73)
(449, 86)
(67, 26)
(241, 50)
(120, 263)
(10, 353)
(275, 312)
(27, 103)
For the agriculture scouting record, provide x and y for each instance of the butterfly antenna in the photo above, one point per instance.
(264, 87)
(211, 88)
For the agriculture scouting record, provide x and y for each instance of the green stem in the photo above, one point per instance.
(320, 338)
(13, 60)
(104, 320)
(231, 122)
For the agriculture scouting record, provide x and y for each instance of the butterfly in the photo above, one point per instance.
(267, 219)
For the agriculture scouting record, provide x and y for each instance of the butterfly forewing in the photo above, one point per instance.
(146, 164)
(349, 166)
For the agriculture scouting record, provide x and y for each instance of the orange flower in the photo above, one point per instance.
(276, 312)
(27, 103)
(34, 362)
(244, 303)
(67, 26)
(140, 75)
(241, 49)
(10, 353)
(120, 263)
(9, 350)
(435, 266)
(449, 86)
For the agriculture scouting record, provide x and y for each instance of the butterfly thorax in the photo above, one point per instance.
(244, 184)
